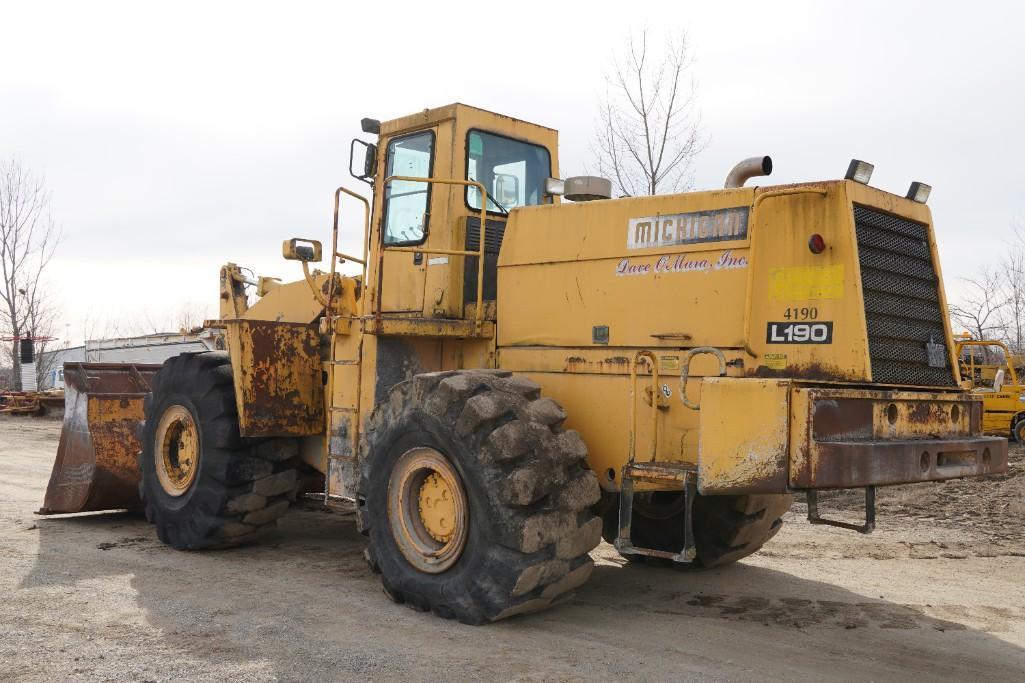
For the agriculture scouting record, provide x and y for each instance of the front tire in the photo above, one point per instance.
(203, 486)
(519, 540)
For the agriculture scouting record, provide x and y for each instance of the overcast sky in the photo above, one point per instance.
(177, 136)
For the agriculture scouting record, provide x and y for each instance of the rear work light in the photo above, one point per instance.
(859, 171)
(919, 192)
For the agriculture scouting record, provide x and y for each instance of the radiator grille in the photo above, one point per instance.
(902, 304)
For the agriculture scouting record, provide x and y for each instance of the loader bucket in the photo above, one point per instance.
(96, 466)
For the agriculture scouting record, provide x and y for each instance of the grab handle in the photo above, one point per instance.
(710, 350)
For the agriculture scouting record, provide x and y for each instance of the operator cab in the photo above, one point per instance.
(426, 228)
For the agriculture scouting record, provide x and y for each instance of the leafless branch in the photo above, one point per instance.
(979, 308)
(648, 132)
(28, 240)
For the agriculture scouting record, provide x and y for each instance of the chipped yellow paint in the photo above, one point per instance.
(277, 374)
(427, 327)
(743, 451)
(101, 409)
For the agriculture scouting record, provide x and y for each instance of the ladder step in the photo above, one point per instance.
(683, 557)
(668, 474)
(678, 473)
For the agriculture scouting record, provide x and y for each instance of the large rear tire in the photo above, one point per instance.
(726, 528)
(203, 486)
(521, 525)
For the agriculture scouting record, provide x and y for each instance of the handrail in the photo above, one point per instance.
(1008, 364)
(653, 362)
(379, 256)
(335, 254)
(685, 373)
(328, 301)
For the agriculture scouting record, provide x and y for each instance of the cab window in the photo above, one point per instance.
(405, 201)
(513, 172)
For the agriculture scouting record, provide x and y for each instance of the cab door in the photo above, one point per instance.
(406, 219)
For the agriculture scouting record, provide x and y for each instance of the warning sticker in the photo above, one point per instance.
(668, 363)
(775, 361)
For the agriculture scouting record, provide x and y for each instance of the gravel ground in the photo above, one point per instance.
(935, 594)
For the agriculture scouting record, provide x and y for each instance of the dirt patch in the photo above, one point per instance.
(988, 510)
(932, 595)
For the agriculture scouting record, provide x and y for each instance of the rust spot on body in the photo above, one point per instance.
(575, 363)
(839, 419)
(277, 373)
(924, 413)
(809, 371)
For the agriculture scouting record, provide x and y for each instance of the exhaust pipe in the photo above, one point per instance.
(746, 169)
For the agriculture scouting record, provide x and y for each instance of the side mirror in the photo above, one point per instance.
(368, 167)
(507, 189)
(299, 249)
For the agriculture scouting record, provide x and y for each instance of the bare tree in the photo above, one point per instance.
(28, 239)
(648, 132)
(191, 315)
(1012, 281)
(980, 308)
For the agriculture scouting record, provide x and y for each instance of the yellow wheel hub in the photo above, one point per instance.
(428, 510)
(437, 508)
(176, 450)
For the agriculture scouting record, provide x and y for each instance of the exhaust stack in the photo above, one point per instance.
(747, 169)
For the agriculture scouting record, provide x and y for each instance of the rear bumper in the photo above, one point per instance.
(778, 436)
(855, 464)
(850, 438)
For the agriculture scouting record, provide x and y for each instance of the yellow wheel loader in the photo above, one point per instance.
(988, 367)
(505, 377)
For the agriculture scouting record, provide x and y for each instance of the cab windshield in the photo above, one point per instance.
(513, 172)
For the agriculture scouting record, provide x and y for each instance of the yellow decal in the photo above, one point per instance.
(806, 282)
(776, 361)
(668, 363)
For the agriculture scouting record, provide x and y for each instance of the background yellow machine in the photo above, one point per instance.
(509, 377)
(989, 368)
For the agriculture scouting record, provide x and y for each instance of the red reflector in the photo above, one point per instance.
(816, 244)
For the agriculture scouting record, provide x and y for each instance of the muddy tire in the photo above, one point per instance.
(228, 491)
(726, 528)
(528, 495)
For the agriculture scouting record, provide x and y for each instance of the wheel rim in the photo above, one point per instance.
(176, 450)
(428, 510)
